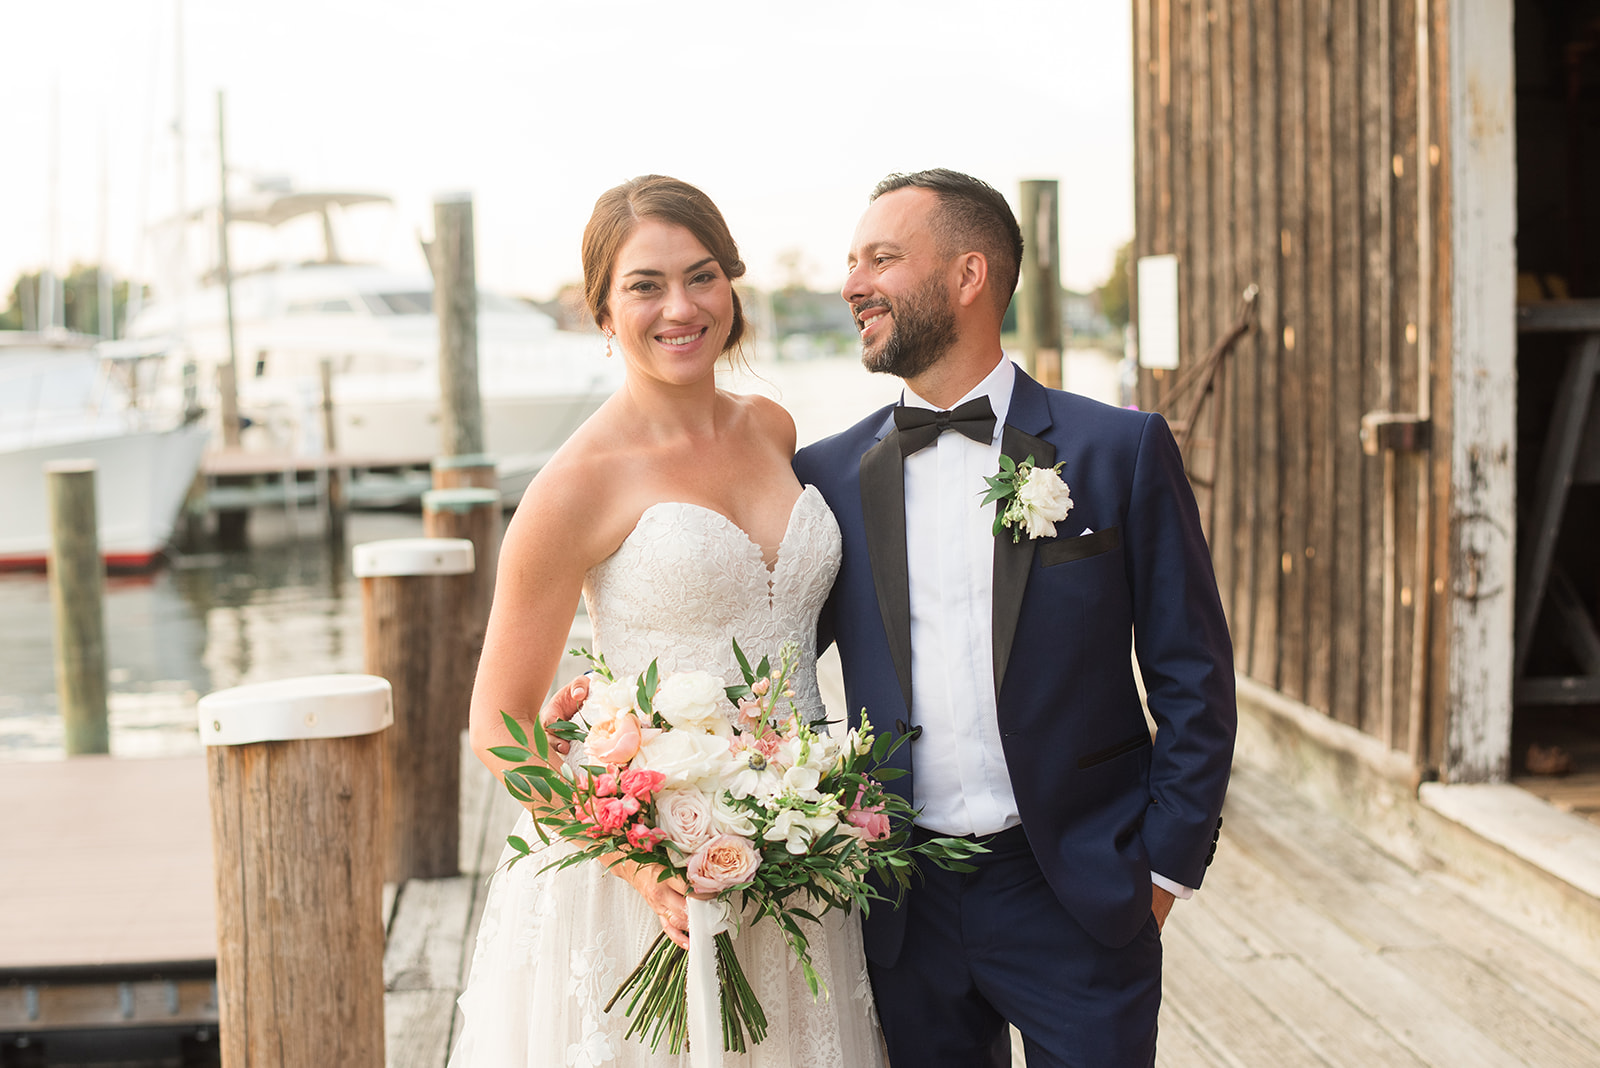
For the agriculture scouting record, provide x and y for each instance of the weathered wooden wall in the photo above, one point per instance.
(1301, 146)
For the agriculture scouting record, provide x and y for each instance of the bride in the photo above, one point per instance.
(674, 513)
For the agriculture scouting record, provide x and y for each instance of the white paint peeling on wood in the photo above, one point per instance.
(1483, 427)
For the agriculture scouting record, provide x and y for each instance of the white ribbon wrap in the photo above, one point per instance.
(707, 919)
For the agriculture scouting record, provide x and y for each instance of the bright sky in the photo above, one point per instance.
(785, 113)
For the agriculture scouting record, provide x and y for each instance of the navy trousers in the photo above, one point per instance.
(994, 946)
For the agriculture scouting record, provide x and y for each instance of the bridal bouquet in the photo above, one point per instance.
(728, 788)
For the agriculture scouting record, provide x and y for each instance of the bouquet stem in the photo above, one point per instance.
(658, 1006)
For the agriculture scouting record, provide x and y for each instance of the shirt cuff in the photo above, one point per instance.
(1175, 889)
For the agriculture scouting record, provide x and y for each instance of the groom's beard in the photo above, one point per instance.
(923, 330)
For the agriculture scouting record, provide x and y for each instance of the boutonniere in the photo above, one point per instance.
(1036, 498)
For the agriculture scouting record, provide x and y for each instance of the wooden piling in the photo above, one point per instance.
(470, 469)
(1039, 300)
(330, 446)
(455, 304)
(417, 597)
(77, 588)
(472, 513)
(295, 774)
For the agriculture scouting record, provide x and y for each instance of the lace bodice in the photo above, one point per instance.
(687, 582)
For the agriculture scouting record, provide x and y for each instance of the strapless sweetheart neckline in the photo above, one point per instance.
(777, 557)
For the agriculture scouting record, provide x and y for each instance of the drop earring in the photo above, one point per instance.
(609, 336)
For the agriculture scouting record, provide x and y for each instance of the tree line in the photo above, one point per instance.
(80, 301)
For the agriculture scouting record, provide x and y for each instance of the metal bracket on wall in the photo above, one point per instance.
(1395, 432)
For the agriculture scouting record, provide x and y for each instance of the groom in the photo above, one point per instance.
(1008, 659)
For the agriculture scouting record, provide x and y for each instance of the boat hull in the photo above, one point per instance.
(141, 481)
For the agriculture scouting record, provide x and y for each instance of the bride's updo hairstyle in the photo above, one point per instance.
(654, 196)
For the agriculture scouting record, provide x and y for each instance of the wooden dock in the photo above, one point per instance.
(1307, 946)
(236, 480)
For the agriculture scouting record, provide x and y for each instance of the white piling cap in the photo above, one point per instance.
(413, 556)
(313, 706)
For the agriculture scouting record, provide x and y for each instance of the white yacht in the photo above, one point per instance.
(377, 328)
(60, 400)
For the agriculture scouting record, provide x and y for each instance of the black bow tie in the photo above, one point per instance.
(921, 427)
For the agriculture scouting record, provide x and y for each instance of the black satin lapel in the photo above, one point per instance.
(1013, 560)
(883, 507)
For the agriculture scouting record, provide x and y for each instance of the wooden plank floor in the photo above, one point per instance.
(105, 862)
(1308, 946)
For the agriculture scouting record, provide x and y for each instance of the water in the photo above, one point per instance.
(288, 606)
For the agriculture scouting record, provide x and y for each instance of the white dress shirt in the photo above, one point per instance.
(961, 783)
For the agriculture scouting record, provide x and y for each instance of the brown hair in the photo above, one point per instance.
(654, 196)
(973, 216)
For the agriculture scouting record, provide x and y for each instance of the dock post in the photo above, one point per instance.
(473, 513)
(469, 469)
(455, 304)
(415, 595)
(330, 447)
(77, 588)
(1039, 300)
(295, 773)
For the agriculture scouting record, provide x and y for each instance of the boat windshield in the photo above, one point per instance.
(416, 302)
(420, 302)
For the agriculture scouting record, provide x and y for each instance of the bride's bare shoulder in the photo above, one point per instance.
(767, 419)
(571, 505)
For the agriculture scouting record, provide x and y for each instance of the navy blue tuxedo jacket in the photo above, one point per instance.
(1101, 804)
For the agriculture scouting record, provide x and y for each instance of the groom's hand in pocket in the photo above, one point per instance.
(564, 704)
(1161, 900)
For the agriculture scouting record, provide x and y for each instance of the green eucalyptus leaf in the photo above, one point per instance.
(744, 664)
(541, 741)
(514, 728)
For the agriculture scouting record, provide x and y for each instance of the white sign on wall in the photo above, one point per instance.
(1158, 312)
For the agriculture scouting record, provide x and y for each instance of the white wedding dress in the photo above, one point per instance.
(553, 946)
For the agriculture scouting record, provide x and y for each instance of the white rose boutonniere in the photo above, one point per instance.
(1036, 498)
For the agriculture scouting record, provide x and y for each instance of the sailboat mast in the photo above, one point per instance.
(103, 271)
(230, 370)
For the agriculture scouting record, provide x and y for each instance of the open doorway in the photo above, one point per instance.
(1556, 723)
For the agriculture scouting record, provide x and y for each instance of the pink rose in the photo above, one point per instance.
(614, 740)
(605, 784)
(642, 837)
(642, 784)
(727, 860)
(870, 821)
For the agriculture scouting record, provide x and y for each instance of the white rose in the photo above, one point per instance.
(729, 818)
(694, 701)
(684, 757)
(1045, 501)
(685, 814)
(607, 700)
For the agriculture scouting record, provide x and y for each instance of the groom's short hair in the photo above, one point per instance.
(973, 217)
